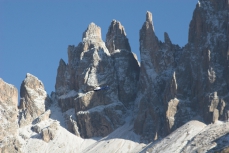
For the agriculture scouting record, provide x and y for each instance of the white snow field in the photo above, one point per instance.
(191, 137)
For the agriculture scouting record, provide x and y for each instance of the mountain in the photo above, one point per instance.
(186, 83)
(175, 100)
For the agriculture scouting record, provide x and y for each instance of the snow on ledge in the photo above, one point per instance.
(71, 93)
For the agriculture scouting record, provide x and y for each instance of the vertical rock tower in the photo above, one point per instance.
(181, 84)
(94, 63)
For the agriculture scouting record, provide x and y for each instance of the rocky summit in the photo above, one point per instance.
(176, 99)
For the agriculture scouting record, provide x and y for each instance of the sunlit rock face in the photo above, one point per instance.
(92, 64)
(34, 100)
(116, 37)
(8, 117)
(185, 83)
(160, 97)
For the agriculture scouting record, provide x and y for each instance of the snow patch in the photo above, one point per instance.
(71, 93)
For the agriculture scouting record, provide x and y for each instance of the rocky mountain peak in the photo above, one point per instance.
(148, 39)
(167, 39)
(102, 91)
(117, 27)
(31, 82)
(93, 32)
(116, 37)
(34, 100)
(149, 17)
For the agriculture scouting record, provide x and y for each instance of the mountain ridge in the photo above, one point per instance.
(145, 102)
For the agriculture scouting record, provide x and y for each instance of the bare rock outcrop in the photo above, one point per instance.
(158, 62)
(90, 65)
(8, 118)
(36, 128)
(34, 100)
(200, 68)
(71, 122)
(49, 133)
(116, 37)
(67, 100)
(100, 120)
(62, 79)
(44, 116)
(206, 52)
(126, 65)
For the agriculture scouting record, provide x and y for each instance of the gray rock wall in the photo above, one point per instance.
(179, 84)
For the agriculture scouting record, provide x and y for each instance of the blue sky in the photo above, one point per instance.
(35, 34)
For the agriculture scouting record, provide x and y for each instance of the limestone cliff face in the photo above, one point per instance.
(158, 62)
(125, 64)
(63, 83)
(34, 100)
(8, 118)
(92, 64)
(208, 47)
(178, 85)
(116, 37)
(170, 87)
(203, 71)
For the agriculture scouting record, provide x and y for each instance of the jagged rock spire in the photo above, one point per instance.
(149, 17)
(149, 43)
(93, 32)
(167, 39)
(34, 100)
(116, 37)
(61, 85)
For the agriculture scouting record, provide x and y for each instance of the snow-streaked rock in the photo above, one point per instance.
(91, 65)
(172, 87)
(191, 74)
(34, 100)
(212, 138)
(63, 83)
(157, 73)
(116, 37)
(101, 120)
(66, 101)
(125, 64)
(8, 118)
(122, 139)
(176, 141)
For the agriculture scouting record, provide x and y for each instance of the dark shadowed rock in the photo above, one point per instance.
(200, 68)
(158, 61)
(66, 101)
(100, 120)
(36, 128)
(126, 65)
(62, 79)
(71, 123)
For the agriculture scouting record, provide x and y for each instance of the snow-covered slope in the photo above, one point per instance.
(191, 137)
(123, 139)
